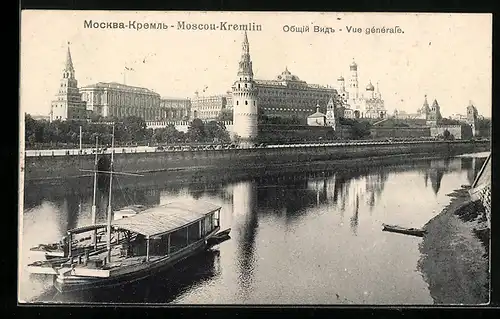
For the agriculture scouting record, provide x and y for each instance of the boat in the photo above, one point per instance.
(137, 245)
(403, 230)
(95, 240)
(164, 236)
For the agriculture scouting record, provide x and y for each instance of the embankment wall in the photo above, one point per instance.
(56, 167)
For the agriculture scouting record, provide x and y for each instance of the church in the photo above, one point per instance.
(368, 104)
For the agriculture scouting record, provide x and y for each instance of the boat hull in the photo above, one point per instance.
(405, 231)
(72, 283)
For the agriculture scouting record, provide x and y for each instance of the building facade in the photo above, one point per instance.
(119, 100)
(422, 113)
(245, 98)
(288, 96)
(316, 119)
(175, 109)
(68, 104)
(208, 107)
(360, 105)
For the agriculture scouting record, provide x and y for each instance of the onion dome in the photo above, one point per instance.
(370, 87)
(353, 65)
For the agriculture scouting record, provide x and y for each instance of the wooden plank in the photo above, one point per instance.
(86, 272)
(42, 270)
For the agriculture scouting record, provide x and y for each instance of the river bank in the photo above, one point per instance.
(455, 253)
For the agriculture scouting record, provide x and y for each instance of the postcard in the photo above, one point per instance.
(254, 158)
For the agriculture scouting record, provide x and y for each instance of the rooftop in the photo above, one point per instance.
(166, 218)
(115, 85)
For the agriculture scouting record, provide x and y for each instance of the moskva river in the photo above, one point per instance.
(299, 235)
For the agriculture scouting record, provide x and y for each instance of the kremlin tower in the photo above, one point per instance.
(68, 104)
(244, 93)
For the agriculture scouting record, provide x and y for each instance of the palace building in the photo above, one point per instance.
(289, 96)
(119, 100)
(68, 104)
(208, 107)
(175, 109)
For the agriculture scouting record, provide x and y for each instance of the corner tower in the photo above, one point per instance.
(68, 104)
(245, 104)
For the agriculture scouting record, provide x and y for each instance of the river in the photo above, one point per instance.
(301, 237)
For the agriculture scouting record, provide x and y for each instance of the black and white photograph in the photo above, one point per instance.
(254, 158)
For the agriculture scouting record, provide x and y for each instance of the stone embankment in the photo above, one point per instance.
(61, 167)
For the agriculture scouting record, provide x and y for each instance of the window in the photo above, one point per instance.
(238, 85)
(237, 102)
(246, 102)
(246, 85)
(253, 103)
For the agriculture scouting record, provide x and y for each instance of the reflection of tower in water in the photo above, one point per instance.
(244, 212)
(375, 186)
(354, 219)
(436, 173)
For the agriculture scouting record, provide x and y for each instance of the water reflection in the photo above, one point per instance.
(283, 224)
(164, 287)
(244, 204)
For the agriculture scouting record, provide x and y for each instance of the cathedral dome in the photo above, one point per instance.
(286, 75)
(370, 87)
(353, 65)
(341, 78)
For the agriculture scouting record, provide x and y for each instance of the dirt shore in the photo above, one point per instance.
(455, 253)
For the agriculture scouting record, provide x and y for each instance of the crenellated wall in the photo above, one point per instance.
(57, 167)
(182, 126)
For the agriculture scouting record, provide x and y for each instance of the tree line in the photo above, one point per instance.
(131, 130)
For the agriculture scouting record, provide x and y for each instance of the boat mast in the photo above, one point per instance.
(109, 202)
(94, 209)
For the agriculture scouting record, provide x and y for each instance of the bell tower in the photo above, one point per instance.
(245, 104)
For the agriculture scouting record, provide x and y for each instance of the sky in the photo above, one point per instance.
(447, 57)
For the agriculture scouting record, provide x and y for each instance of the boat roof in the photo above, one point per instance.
(85, 228)
(166, 218)
(131, 208)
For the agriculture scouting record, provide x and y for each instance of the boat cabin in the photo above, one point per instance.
(167, 229)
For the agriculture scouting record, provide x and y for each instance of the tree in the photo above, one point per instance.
(447, 135)
(216, 131)
(135, 128)
(445, 121)
(225, 116)
(196, 131)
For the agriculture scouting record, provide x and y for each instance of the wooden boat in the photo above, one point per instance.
(403, 230)
(137, 246)
(80, 244)
(94, 241)
(165, 235)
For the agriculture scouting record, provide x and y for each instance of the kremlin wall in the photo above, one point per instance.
(53, 168)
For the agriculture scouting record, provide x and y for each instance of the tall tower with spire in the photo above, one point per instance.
(68, 104)
(472, 118)
(331, 120)
(353, 81)
(245, 103)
